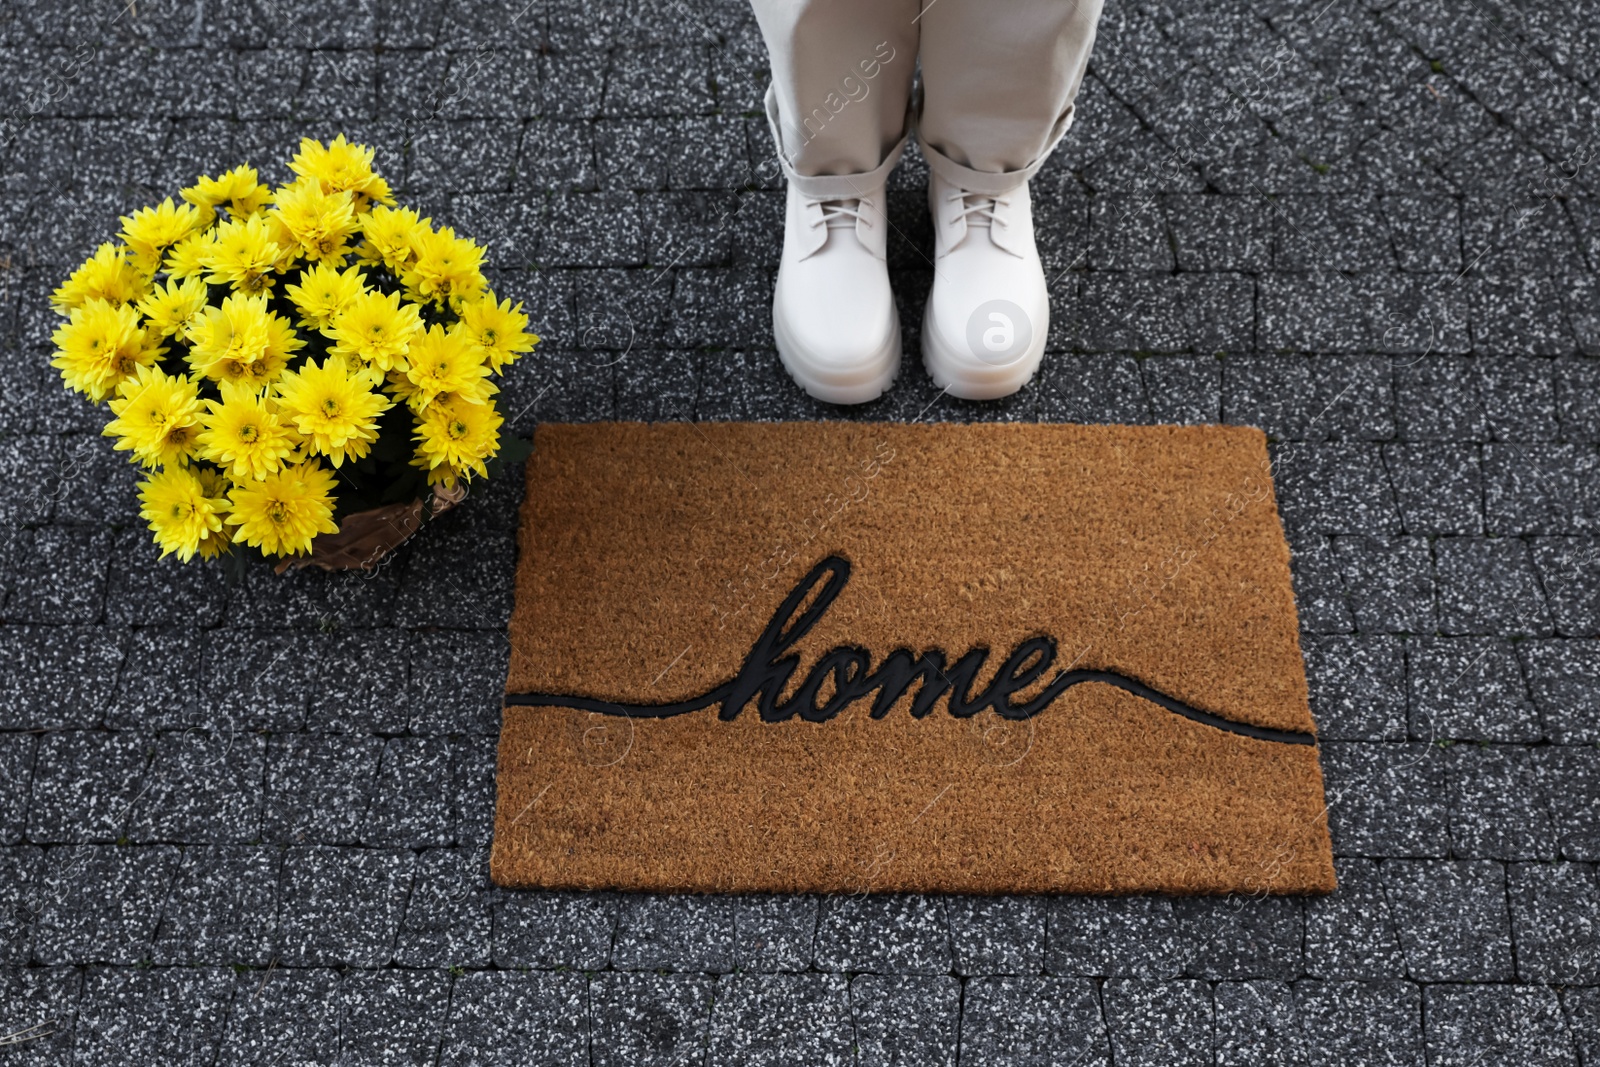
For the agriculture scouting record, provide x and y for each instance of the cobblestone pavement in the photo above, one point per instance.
(248, 825)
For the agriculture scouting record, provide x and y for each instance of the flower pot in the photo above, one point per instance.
(366, 537)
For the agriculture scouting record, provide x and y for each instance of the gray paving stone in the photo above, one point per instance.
(506, 1018)
(1335, 489)
(1390, 583)
(472, 771)
(775, 932)
(158, 686)
(1453, 918)
(674, 933)
(1310, 398)
(1539, 489)
(1439, 487)
(905, 1019)
(795, 1019)
(1183, 389)
(456, 682)
(313, 599)
(85, 785)
(1119, 937)
(1091, 389)
(393, 1016)
(201, 788)
(285, 1014)
(16, 782)
(1583, 1015)
(997, 935)
(1497, 804)
(1256, 1022)
(358, 680)
(1555, 920)
(1496, 1023)
(1319, 588)
(1202, 313)
(255, 680)
(1159, 1023)
(1567, 575)
(341, 905)
(650, 1019)
(1564, 682)
(66, 578)
(897, 934)
(174, 1015)
(1386, 799)
(1351, 933)
(223, 907)
(147, 590)
(42, 1003)
(448, 919)
(21, 897)
(1488, 585)
(411, 804)
(1520, 398)
(1571, 779)
(1468, 688)
(1361, 1022)
(318, 787)
(1425, 232)
(1242, 936)
(1032, 1020)
(1357, 686)
(100, 903)
(1219, 233)
(554, 930)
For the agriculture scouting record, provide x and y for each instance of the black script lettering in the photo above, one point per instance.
(770, 665)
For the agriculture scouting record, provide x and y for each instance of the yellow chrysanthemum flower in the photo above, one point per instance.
(442, 361)
(457, 435)
(242, 433)
(184, 513)
(377, 329)
(100, 345)
(157, 417)
(150, 231)
(187, 259)
(244, 255)
(448, 269)
(342, 167)
(231, 336)
(107, 275)
(172, 310)
(334, 410)
(390, 236)
(321, 223)
(497, 332)
(325, 291)
(282, 512)
(238, 190)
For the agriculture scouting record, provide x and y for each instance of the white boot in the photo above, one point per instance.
(984, 329)
(833, 315)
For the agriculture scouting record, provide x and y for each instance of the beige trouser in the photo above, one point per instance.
(998, 81)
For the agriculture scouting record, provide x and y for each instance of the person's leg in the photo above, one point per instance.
(998, 81)
(841, 79)
(837, 107)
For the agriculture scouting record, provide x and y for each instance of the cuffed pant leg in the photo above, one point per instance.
(999, 78)
(842, 72)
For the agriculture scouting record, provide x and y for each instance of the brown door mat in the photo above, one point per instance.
(885, 657)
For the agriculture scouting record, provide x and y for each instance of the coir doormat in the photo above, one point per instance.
(868, 657)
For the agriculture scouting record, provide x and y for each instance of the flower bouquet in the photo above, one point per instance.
(302, 371)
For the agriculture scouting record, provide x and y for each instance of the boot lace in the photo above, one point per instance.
(979, 208)
(841, 213)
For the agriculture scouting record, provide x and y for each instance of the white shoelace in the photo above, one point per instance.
(979, 208)
(837, 214)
